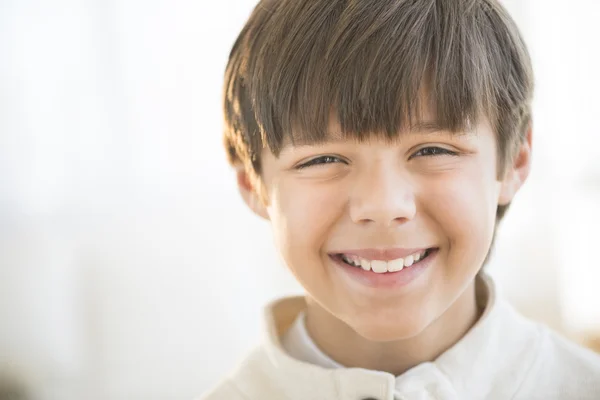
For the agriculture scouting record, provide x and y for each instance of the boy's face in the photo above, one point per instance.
(375, 202)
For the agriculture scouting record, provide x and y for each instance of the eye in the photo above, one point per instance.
(433, 151)
(320, 161)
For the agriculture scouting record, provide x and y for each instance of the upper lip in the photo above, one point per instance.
(382, 254)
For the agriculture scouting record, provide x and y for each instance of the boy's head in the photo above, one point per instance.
(365, 130)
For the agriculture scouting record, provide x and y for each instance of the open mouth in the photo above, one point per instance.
(381, 266)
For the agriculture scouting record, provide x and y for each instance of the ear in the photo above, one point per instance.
(516, 173)
(251, 193)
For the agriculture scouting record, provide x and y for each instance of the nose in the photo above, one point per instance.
(383, 196)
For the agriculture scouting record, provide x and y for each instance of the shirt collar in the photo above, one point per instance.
(495, 349)
(298, 343)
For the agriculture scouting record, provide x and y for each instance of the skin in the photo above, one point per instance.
(382, 194)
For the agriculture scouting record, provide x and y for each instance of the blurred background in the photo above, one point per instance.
(129, 267)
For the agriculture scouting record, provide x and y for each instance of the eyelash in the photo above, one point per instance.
(433, 151)
(439, 150)
(320, 161)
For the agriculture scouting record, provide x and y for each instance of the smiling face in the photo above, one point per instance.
(370, 203)
(380, 195)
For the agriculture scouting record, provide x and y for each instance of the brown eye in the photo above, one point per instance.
(434, 151)
(320, 161)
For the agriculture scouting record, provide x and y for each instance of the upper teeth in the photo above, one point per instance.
(380, 266)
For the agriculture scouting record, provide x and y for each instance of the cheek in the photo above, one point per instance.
(463, 206)
(302, 215)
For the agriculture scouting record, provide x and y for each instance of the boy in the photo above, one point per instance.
(384, 140)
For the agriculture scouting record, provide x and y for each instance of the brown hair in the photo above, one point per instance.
(374, 64)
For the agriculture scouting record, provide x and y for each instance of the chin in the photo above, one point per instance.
(388, 330)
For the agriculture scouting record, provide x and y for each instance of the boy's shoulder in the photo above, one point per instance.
(562, 368)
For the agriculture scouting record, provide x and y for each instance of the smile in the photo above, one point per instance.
(384, 266)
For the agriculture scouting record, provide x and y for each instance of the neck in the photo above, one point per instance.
(334, 338)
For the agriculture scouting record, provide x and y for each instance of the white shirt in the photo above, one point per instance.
(504, 356)
(298, 343)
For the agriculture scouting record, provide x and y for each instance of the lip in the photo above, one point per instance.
(382, 254)
(388, 280)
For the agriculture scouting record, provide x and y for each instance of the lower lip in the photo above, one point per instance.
(388, 280)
